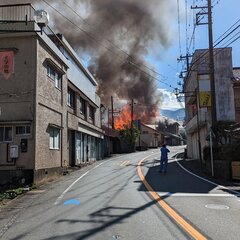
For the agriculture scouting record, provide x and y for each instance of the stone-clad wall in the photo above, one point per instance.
(51, 108)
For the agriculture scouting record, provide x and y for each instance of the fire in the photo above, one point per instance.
(139, 112)
(124, 118)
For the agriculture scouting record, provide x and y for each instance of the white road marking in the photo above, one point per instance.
(167, 194)
(236, 193)
(124, 163)
(68, 188)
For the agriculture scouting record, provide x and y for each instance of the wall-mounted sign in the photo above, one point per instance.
(204, 90)
(6, 63)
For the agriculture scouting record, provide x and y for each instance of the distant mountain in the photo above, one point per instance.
(177, 115)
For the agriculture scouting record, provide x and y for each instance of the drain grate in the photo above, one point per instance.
(217, 206)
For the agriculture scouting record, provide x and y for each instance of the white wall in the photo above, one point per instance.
(81, 81)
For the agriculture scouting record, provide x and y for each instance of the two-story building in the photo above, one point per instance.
(49, 109)
(236, 88)
(149, 137)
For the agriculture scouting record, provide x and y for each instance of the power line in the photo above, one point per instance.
(228, 30)
(205, 53)
(135, 65)
(186, 27)
(179, 30)
(113, 44)
(102, 37)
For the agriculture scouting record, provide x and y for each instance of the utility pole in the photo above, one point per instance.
(211, 65)
(211, 54)
(132, 120)
(182, 58)
(112, 112)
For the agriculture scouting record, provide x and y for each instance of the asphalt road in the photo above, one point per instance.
(111, 200)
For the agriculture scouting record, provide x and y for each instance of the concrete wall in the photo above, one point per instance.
(223, 85)
(17, 96)
(81, 81)
(224, 97)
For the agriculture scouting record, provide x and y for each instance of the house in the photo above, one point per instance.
(171, 131)
(236, 89)
(198, 97)
(49, 109)
(149, 137)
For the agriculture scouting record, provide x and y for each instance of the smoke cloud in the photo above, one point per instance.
(117, 36)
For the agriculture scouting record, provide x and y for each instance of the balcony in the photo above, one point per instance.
(17, 13)
(191, 125)
(19, 18)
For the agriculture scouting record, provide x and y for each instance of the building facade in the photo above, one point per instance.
(236, 87)
(49, 109)
(149, 137)
(198, 97)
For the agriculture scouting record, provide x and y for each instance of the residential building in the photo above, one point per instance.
(49, 109)
(149, 137)
(198, 97)
(236, 88)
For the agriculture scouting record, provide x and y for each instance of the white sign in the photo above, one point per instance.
(116, 114)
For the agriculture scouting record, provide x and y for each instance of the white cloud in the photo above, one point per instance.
(170, 100)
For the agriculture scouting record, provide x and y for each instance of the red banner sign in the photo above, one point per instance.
(6, 63)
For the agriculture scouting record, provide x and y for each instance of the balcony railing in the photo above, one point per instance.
(16, 13)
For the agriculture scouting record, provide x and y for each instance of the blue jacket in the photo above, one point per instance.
(164, 153)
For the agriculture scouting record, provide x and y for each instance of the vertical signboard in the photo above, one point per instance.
(6, 63)
(204, 90)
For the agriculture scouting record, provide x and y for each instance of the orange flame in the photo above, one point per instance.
(124, 118)
(140, 112)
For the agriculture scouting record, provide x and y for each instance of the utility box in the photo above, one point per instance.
(236, 170)
(14, 151)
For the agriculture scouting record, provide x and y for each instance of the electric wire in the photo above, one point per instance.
(128, 60)
(186, 27)
(110, 42)
(216, 44)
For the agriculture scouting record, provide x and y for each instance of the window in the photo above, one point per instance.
(70, 98)
(91, 112)
(23, 130)
(5, 134)
(54, 137)
(55, 75)
(82, 106)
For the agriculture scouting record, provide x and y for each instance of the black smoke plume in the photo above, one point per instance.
(117, 36)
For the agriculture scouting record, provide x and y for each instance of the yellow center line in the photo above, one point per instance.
(184, 224)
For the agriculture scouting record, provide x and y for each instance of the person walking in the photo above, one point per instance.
(164, 158)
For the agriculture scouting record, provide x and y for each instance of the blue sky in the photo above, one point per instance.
(225, 14)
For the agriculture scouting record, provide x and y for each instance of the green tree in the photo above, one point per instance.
(129, 134)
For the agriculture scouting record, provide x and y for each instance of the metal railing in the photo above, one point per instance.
(16, 13)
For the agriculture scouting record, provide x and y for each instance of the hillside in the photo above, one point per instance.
(177, 115)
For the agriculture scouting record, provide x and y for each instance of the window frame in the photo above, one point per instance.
(3, 138)
(82, 108)
(25, 132)
(55, 75)
(54, 133)
(91, 112)
(70, 98)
